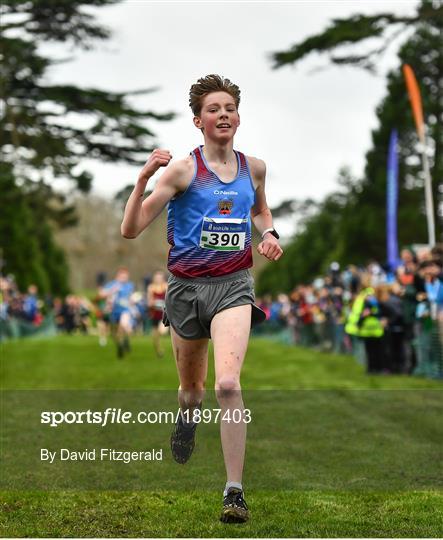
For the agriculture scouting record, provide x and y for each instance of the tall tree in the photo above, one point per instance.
(360, 230)
(317, 243)
(20, 250)
(39, 138)
(381, 29)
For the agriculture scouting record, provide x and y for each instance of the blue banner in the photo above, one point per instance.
(392, 202)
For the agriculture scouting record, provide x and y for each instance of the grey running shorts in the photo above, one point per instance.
(191, 303)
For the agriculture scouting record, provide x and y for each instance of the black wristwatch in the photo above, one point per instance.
(272, 231)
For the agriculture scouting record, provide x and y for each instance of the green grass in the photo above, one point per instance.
(310, 471)
(274, 514)
(77, 362)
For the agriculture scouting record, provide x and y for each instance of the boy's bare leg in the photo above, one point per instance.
(191, 358)
(156, 341)
(230, 330)
(124, 330)
(102, 328)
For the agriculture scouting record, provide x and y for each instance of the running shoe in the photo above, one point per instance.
(235, 509)
(126, 345)
(182, 441)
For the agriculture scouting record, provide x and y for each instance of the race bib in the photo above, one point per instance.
(223, 234)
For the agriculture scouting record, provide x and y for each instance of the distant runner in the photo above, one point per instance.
(156, 293)
(118, 293)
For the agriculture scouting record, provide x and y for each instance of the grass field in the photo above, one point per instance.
(333, 452)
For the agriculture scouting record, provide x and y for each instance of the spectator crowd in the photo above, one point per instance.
(391, 320)
(73, 314)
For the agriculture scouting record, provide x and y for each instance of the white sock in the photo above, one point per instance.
(231, 485)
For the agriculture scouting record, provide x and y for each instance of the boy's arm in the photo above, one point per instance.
(138, 213)
(150, 296)
(260, 213)
(107, 290)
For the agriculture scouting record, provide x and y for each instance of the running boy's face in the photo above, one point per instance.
(158, 278)
(219, 118)
(122, 275)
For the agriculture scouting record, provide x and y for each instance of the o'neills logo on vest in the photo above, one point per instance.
(225, 206)
(223, 192)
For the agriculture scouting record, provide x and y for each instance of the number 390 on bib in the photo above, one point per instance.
(223, 234)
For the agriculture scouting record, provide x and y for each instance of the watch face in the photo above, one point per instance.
(275, 233)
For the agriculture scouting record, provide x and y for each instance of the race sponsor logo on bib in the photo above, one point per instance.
(223, 234)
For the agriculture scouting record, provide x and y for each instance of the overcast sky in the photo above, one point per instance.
(304, 125)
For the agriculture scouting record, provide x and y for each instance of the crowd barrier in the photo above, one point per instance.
(13, 328)
(429, 349)
(325, 336)
(426, 345)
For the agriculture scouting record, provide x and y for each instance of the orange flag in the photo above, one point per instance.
(415, 98)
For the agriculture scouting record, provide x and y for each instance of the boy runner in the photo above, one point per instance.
(212, 195)
(118, 293)
(156, 293)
